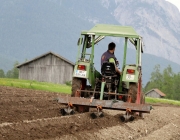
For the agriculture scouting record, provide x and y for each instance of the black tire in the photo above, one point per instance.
(133, 91)
(133, 87)
(76, 85)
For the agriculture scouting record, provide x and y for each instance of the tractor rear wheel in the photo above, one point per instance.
(133, 88)
(77, 85)
(133, 91)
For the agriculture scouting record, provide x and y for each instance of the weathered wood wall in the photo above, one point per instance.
(49, 68)
(153, 94)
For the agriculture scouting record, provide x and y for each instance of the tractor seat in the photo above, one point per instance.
(108, 69)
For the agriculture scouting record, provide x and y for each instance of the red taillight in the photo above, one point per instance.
(120, 97)
(130, 71)
(81, 67)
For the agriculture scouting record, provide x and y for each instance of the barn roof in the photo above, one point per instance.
(157, 91)
(43, 56)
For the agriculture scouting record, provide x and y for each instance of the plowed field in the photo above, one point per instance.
(30, 114)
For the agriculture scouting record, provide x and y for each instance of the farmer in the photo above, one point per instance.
(109, 56)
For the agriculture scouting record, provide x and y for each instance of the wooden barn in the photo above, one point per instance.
(48, 67)
(155, 93)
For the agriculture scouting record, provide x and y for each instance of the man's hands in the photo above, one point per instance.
(118, 71)
(117, 63)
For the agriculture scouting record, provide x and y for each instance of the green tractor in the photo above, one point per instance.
(104, 90)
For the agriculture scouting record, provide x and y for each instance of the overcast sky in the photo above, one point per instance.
(175, 2)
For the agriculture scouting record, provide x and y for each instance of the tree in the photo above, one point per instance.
(157, 77)
(14, 73)
(176, 87)
(15, 70)
(167, 82)
(2, 74)
(9, 74)
(155, 80)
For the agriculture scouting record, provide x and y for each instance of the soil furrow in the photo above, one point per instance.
(59, 126)
(31, 114)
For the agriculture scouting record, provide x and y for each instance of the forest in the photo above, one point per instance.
(166, 80)
(13, 73)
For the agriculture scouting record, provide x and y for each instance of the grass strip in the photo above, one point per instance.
(31, 84)
(161, 100)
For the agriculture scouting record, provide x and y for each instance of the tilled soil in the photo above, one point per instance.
(31, 114)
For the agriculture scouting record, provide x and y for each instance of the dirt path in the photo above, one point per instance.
(30, 114)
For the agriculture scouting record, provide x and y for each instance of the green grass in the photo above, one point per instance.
(160, 100)
(29, 84)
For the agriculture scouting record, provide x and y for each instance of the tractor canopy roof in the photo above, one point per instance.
(112, 30)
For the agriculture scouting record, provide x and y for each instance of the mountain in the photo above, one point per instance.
(29, 28)
(157, 21)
